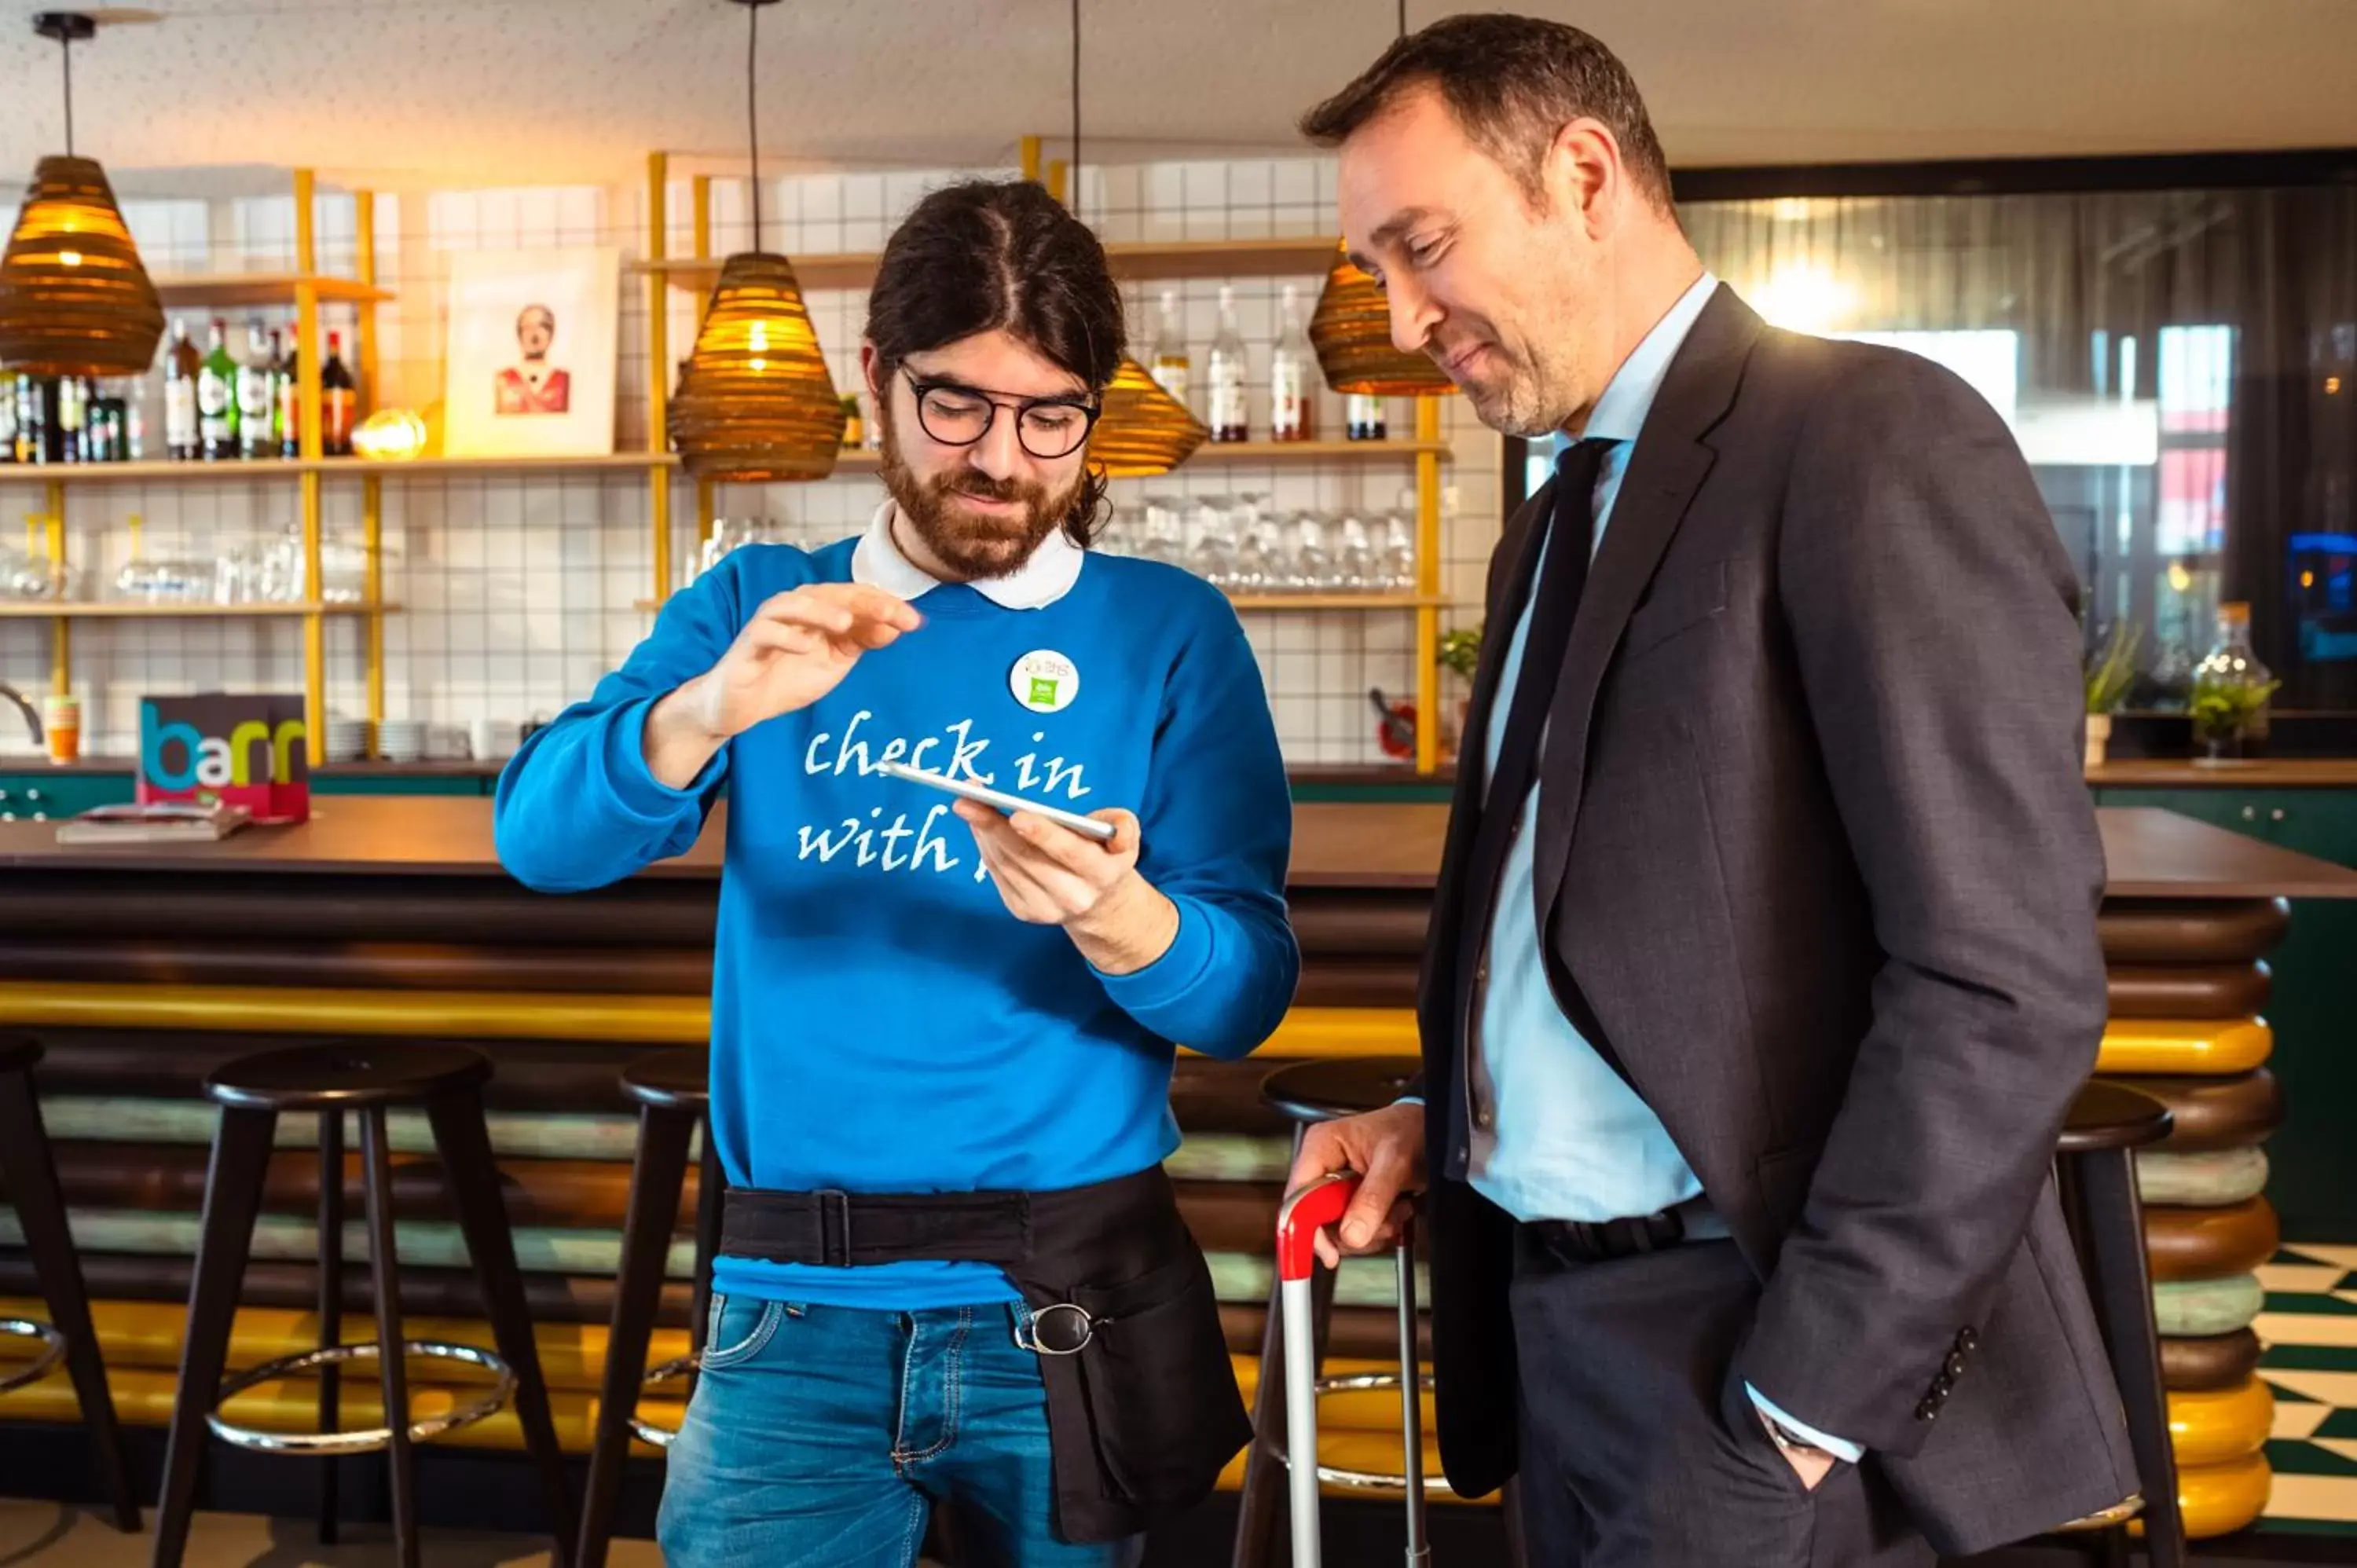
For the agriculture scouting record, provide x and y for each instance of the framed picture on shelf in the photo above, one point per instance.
(531, 367)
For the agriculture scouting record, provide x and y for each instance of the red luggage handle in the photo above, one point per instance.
(1307, 1210)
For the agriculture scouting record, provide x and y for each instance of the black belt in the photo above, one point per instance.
(1547, 1242)
(839, 1230)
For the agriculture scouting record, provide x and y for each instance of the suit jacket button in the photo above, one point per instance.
(1928, 1411)
(1955, 1364)
(1968, 1341)
(1940, 1387)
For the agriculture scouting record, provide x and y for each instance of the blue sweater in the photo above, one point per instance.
(881, 1023)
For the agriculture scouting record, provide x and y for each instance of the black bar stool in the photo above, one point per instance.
(2095, 1169)
(673, 1098)
(1307, 1093)
(30, 1172)
(366, 1078)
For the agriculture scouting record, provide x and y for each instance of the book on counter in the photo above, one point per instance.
(155, 822)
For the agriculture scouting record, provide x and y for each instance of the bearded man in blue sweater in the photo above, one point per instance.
(952, 1274)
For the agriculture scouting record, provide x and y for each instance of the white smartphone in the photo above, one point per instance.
(1087, 827)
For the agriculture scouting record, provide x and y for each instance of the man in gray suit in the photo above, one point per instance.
(1763, 963)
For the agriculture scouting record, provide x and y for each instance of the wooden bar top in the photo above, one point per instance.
(2152, 854)
(2268, 773)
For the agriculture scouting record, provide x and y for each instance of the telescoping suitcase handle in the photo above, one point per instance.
(1307, 1210)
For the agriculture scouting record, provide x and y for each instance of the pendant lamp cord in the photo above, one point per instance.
(68, 42)
(1072, 180)
(752, 120)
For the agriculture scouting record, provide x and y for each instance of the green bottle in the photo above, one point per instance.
(217, 397)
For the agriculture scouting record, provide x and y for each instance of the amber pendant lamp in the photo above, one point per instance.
(74, 300)
(1352, 331)
(1144, 431)
(755, 403)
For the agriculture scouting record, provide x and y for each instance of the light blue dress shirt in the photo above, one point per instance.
(1558, 1133)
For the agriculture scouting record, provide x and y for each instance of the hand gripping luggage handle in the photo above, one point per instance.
(1306, 1211)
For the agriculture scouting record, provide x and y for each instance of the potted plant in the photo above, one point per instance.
(1460, 652)
(2110, 672)
(2225, 713)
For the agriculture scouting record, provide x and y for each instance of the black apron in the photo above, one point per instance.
(1143, 1410)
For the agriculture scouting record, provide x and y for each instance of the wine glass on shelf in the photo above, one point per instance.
(1122, 534)
(1313, 557)
(1260, 558)
(1164, 530)
(1211, 553)
(1355, 570)
(1399, 553)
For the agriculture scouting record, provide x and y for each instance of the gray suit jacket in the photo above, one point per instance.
(1817, 863)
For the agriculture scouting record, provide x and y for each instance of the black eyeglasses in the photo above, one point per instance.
(957, 416)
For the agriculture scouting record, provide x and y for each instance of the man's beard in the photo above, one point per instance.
(973, 547)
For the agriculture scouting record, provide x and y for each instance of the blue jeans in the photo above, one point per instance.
(825, 1436)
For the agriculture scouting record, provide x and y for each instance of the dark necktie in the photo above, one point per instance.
(1554, 604)
(1563, 548)
(1566, 545)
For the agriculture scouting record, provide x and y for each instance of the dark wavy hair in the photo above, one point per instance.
(1513, 83)
(1002, 256)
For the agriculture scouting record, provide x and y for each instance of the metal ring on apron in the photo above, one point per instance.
(1080, 1329)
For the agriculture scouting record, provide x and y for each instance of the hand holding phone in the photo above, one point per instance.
(1087, 827)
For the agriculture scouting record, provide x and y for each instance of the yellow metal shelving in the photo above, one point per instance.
(307, 289)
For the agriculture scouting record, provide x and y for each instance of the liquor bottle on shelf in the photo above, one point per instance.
(102, 436)
(286, 393)
(1227, 417)
(72, 406)
(34, 434)
(1292, 372)
(134, 396)
(338, 401)
(217, 397)
(8, 420)
(1364, 419)
(257, 400)
(1170, 362)
(182, 364)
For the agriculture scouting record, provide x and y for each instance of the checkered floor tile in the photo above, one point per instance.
(2310, 1329)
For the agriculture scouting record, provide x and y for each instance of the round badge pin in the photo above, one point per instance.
(1045, 681)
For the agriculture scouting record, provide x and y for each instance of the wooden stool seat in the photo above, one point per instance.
(1323, 1090)
(348, 1076)
(2113, 1116)
(677, 1079)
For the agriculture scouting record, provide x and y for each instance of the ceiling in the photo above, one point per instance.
(407, 92)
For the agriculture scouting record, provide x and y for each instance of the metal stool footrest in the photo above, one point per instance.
(646, 1432)
(53, 1350)
(324, 1443)
(1363, 1480)
(2111, 1517)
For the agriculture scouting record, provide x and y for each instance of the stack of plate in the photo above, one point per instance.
(347, 740)
(402, 740)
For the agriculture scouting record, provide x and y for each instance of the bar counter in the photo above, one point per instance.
(141, 967)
